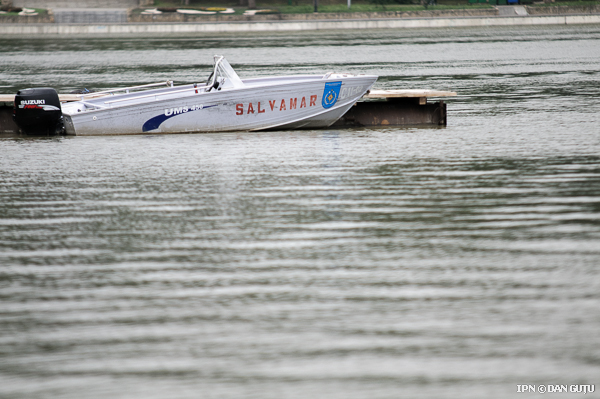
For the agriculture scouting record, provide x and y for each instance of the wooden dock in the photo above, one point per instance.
(9, 99)
(408, 94)
(397, 108)
(376, 108)
(373, 94)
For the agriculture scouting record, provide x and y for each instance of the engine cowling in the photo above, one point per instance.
(37, 111)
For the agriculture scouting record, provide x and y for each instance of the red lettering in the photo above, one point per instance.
(250, 108)
(239, 108)
(313, 100)
(260, 111)
(272, 104)
(303, 103)
(282, 106)
(293, 102)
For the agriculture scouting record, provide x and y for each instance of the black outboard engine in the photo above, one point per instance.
(37, 111)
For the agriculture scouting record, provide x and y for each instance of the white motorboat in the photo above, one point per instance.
(223, 103)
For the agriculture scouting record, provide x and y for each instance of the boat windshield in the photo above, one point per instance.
(224, 71)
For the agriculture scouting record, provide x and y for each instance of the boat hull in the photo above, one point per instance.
(282, 103)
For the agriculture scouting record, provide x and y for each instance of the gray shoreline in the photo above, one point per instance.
(130, 21)
(290, 25)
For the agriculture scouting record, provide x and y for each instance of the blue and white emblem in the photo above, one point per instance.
(331, 94)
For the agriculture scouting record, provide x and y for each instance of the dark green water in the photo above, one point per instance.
(367, 263)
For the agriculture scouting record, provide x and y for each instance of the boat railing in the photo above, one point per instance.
(169, 83)
(194, 88)
(210, 84)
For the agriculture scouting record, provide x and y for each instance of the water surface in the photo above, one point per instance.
(360, 263)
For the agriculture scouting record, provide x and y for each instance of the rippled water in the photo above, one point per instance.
(359, 263)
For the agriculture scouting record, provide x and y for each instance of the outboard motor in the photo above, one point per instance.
(38, 112)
